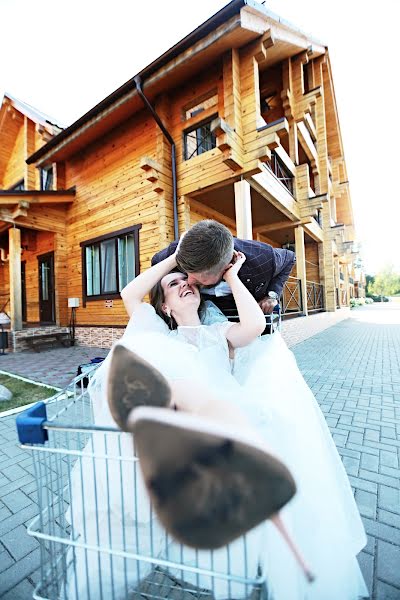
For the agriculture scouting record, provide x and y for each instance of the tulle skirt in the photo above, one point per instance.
(265, 383)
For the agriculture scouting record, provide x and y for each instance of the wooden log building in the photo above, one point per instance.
(250, 136)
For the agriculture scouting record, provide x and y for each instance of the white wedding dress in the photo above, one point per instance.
(264, 381)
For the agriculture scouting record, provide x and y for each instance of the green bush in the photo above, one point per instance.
(357, 302)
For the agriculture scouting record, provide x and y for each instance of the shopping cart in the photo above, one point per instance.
(98, 535)
(273, 321)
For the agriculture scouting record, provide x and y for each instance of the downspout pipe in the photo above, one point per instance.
(138, 83)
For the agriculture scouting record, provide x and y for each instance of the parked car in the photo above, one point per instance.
(376, 298)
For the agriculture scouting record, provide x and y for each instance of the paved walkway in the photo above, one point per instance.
(353, 368)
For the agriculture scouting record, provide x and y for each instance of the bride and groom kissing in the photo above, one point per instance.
(229, 436)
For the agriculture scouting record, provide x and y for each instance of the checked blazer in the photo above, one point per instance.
(266, 268)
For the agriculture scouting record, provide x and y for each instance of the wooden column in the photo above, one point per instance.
(244, 228)
(347, 283)
(337, 280)
(14, 237)
(61, 279)
(301, 264)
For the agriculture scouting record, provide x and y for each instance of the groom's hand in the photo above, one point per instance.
(267, 305)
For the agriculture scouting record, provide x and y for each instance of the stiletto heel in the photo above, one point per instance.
(277, 521)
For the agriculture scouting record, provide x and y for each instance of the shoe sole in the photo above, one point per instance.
(133, 382)
(208, 484)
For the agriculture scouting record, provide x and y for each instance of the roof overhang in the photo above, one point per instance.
(237, 24)
(13, 198)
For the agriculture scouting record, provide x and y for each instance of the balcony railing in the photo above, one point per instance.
(292, 300)
(280, 172)
(315, 296)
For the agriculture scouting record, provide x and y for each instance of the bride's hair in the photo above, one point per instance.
(157, 299)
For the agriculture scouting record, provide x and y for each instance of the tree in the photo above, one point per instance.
(386, 283)
(369, 282)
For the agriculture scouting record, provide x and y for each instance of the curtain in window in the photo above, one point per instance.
(108, 267)
(92, 270)
(126, 260)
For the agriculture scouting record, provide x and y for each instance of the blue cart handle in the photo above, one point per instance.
(30, 425)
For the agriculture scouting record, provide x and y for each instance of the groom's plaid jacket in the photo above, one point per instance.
(266, 268)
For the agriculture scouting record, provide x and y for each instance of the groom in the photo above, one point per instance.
(208, 248)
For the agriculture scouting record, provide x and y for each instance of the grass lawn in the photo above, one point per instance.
(23, 392)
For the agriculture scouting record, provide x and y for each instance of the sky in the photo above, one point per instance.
(64, 57)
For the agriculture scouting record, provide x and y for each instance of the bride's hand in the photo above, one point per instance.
(234, 268)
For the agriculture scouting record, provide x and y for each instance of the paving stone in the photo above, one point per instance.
(385, 516)
(18, 542)
(389, 499)
(389, 459)
(351, 465)
(366, 562)
(370, 462)
(372, 434)
(362, 484)
(388, 561)
(6, 560)
(382, 531)
(19, 571)
(378, 478)
(384, 591)
(366, 502)
(16, 500)
(18, 518)
(389, 471)
(22, 591)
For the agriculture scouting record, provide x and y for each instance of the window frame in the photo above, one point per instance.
(195, 127)
(115, 235)
(48, 169)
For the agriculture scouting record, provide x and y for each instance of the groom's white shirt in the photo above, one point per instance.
(221, 289)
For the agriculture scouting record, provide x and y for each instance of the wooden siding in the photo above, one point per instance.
(14, 171)
(113, 193)
(124, 177)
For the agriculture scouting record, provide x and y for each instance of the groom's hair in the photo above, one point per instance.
(206, 247)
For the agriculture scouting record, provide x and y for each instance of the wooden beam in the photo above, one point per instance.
(59, 198)
(244, 228)
(285, 158)
(276, 226)
(306, 142)
(14, 237)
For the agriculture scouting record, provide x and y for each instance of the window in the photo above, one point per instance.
(109, 263)
(46, 178)
(198, 140)
(307, 77)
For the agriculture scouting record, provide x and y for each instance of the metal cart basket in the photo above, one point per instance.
(98, 535)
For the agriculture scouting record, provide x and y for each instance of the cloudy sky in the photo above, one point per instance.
(64, 57)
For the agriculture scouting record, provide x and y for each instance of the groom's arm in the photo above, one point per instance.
(164, 253)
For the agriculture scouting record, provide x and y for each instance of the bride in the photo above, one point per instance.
(223, 379)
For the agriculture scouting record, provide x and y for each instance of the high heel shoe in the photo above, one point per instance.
(133, 382)
(277, 521)
(208, 484)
